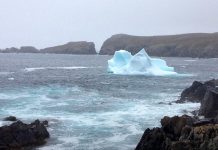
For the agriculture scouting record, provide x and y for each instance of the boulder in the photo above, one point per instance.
(209, 105)
(72, 48)
(179, 133)
(197, 91)
(174, 125)
(19, 135)
(10, 118)
(154, 139)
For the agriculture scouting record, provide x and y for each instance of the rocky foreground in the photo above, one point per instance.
(181, 133)
(184, 45)
(185, 132)
(19, 135)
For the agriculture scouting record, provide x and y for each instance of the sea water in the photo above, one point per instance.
(87, 107)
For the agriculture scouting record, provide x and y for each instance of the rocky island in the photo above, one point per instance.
(72, 48)
(82, 47)
(19, 135)
(23, 49)
(184, 45)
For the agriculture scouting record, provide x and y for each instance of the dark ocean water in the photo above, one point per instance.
(88, 108)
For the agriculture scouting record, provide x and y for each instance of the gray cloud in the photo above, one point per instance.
(43, 23)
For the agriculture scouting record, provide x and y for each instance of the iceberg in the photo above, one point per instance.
(124, 63)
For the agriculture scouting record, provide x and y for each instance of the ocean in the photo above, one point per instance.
(89, 108)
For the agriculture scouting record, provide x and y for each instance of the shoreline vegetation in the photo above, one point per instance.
(176, 133)
(196, 45)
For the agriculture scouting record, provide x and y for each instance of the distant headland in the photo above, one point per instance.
(201, 45)
(81, 47)
(184, 45)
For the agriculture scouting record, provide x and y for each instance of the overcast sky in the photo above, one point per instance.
(43, 23)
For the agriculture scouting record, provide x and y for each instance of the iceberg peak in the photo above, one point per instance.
(139, 64)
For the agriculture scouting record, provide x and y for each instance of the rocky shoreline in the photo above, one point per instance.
(19, 135)
(186, 132)
(176, 133)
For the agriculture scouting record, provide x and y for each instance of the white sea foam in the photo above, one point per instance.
(11, 79)
(190, 60)
(124, 124)
(6, 73)
(1, 123)
(55, 68)
(117, 137)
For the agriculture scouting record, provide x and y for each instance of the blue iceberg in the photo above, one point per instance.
(124, 63)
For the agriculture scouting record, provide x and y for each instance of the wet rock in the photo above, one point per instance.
(179, 133)
(10, 118)
(174, 125)
(214, 143)
(45, 123)
(209, 105)
(162, 103)
(185, 133)
(182, 145)
(204, 122)
(154, 139)
(197, 91)
(19, 135)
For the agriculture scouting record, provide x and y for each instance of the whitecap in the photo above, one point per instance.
(6, 73)
(55, 68)
(11, 79)
(190, 60)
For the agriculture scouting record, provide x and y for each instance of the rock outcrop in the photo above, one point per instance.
(72, 48)
(19, 135)
(28, 49)
(23, 49)
(205, 93)
(185, 132)
(10, 118)
(197, 91)
(180, 133)
(184, 45)
(209, 105)
(10, 50)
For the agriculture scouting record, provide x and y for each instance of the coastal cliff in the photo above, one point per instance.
(72, 48)
(184, 45)
(81, 47)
